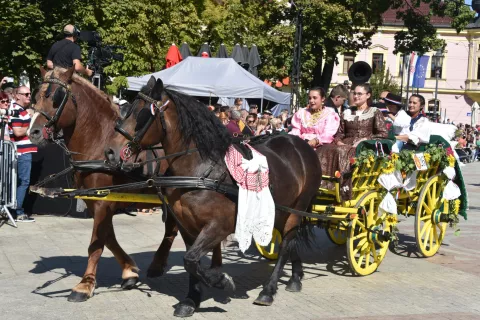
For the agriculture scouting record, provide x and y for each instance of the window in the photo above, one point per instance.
(436, 63)
(348, 60)
(478, 69)
(377, 61)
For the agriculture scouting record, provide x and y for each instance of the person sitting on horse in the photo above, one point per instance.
(398, 117)
(316, 124)
(420, 128)
(360, 122)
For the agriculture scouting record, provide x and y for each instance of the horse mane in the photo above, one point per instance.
(200, 125)
(82, 81)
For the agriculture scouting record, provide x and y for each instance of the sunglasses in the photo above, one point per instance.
(28, 94)
(5, 101)
(251, 121)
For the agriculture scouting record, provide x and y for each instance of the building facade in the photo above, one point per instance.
(459, 81)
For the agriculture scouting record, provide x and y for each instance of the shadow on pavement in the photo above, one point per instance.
(248, 270)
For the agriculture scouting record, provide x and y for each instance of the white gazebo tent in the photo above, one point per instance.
(207, 77)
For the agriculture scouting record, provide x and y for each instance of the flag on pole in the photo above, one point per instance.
(412, 64)
(420, 73)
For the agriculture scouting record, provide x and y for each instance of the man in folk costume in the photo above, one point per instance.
(398, 117)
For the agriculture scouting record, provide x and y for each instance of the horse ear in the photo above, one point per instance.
(151, 83)
(159, 84)
(68, 75)
(158, 88)
(43, 72)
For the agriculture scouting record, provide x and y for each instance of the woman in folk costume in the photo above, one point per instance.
(359, 123)
(420, 128)
(315, 124)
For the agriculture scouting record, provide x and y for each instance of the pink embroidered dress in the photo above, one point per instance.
(321, 125)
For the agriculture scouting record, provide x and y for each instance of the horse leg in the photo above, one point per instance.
(102, 234)
(265, 298)
(208, 239)
(159, 263)
(295, 284)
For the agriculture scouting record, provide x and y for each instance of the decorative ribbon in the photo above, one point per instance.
(390, 181)
(451, 191)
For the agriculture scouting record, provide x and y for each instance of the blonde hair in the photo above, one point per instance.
(275, 122)
(263, 122)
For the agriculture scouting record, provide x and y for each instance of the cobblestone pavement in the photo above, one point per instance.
(40, 262)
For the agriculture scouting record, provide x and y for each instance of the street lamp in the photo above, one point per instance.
(437, 60)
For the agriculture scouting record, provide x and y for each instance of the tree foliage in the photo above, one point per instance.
(382, 80)
(147, 28)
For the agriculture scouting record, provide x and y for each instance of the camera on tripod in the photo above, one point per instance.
(99, 55)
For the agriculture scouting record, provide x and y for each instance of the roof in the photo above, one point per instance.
(204, 77)
(390, 17)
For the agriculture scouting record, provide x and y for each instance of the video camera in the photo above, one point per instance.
(99, 55)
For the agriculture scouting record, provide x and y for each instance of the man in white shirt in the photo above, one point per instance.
(398, 117)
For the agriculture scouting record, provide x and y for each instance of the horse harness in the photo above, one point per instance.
(59, 100)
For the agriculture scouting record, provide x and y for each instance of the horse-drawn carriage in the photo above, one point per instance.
(202, 196)
(364, 226)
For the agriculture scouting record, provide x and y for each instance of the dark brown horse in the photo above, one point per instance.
(205, 217)
(87, 118)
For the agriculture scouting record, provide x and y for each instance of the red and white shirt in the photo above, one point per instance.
(23, 143)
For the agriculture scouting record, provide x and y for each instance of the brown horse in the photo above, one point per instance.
(87, 117)
(205, 218)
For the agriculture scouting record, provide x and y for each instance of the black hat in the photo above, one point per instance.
(267, 112)
(393, 99)
(8, 85)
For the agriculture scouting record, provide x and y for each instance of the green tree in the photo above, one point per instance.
(382, 80)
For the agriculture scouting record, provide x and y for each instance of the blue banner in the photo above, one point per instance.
(420, 72)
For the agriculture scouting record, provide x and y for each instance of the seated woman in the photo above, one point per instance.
(420, 129)
(315, 123)
(360, 122)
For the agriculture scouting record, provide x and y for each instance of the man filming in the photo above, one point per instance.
(66, 53)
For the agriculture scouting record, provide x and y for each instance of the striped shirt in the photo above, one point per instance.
(23, 143)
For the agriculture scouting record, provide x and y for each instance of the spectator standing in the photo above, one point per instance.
(66, 53)
(337, 98)
(253, 109)
(19, 126)
(238, 104)
(4, 104)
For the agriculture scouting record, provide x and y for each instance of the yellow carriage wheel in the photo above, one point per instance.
(337, 235)
(271, 251)
(429, 231)
(368, 236)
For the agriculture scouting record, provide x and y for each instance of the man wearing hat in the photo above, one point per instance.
(398, 117)
(66, 53)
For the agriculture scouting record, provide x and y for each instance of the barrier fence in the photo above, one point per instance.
(8, 178)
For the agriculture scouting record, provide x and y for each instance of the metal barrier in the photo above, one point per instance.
(8, 178)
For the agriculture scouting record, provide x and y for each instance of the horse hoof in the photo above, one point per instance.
(264, 300)
(184, 309)
(154, 273)
(129, 283)
(294, 286)
(77, 297)
(228, 283)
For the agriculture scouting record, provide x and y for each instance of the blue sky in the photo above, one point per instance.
(468, 1)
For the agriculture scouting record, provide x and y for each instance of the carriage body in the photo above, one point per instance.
(368, 231)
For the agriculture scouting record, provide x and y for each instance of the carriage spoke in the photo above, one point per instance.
(358, 236)
(431, 236)
(427, 208)
(425, 241)
(360, 259)
(424, 228)
(374, 253)
(435, 234)
(425, 217)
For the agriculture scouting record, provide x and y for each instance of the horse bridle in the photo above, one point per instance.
(133, 146)
(52, 121)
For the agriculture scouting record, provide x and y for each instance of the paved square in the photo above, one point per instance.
(40, 262)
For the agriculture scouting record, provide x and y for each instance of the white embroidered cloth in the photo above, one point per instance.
(256, 209)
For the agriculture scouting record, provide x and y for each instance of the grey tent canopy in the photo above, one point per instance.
(212, 77)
